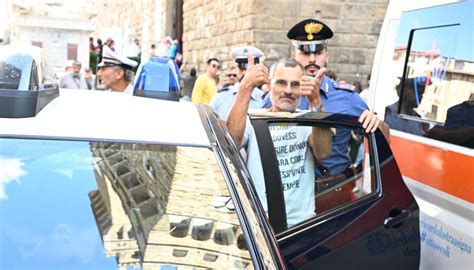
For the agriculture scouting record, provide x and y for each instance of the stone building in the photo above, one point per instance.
(155, 206)
(61, 28)
(206, 28)
(145, 20)
(213, 28)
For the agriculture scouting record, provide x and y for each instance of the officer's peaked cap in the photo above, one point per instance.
(110, 58)
(310, 31)
(241, 52)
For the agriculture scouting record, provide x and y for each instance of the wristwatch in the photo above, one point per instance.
(318, 108)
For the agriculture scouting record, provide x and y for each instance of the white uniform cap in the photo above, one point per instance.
(110, 58)
(241, 52)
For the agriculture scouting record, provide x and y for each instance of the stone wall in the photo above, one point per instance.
(51, 26)
(214, 28)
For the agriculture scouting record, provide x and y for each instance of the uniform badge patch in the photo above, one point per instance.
(344, 86)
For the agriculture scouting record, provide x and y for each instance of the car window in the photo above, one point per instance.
(312, 186)
(141, 205)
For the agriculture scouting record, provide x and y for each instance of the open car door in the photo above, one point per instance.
(359, 214)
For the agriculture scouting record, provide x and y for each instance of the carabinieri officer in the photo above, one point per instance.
(309, 38)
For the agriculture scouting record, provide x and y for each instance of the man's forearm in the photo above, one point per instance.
(320, 141)
(385, 131)
(238, 115)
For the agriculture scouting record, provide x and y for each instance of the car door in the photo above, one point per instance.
(260, 240)
(364, 216)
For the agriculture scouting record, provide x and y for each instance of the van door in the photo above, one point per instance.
(345, 212)
(425, 59)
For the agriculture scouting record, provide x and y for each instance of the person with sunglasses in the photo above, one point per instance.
(205, 86)
(116, 71)
(223, 101)
(230, 79)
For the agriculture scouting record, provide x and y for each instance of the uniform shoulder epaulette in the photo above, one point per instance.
(223, 89)
(344, 86)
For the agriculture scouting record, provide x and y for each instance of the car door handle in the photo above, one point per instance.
(395, 221)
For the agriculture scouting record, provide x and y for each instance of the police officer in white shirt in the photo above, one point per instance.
(222, 102)
(115, 71)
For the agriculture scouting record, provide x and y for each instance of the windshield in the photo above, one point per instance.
(66, 204)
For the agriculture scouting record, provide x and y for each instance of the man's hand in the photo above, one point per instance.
(370, 121)
(256, 74)
(309, 87)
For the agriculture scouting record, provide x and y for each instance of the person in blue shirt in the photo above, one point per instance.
(310, 38)
(223, 101)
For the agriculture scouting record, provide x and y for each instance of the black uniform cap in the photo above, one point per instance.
(310, 35)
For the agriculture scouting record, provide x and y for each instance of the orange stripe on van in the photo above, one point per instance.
(448, 171)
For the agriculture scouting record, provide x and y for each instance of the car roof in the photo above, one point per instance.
(111, 116)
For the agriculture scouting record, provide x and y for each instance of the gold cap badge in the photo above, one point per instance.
(312, 28)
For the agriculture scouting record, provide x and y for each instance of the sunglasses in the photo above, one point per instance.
(231, 75)
(242, 63)
(242, 66)
(215, 66)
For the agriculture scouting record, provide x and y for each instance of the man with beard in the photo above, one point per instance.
(73, 80)
(223, 101)
(286, 88)
(309, 38)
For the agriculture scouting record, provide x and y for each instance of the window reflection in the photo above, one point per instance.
(11, 171)
(311, 185)
(436, 92)
(153, 206)
(172, 200)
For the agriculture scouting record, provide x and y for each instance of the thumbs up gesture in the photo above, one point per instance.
(255, 75)
(309, 87)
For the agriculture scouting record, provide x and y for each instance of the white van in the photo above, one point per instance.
(422, 84)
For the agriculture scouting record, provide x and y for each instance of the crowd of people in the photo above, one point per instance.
(289, 85)
(74, 79)
(299, 83)
(168, 48)
(128, 63)
(294, 84)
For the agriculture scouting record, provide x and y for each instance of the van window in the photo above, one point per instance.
(436, 75)
(436, 81)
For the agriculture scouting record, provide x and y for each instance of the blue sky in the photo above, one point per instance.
(453, 41)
